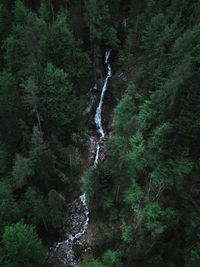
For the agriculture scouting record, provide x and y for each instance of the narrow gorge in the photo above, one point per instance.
(72, 233)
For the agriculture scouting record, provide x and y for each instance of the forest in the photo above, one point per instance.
(144, 195)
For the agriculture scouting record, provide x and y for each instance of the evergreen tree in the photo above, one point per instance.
(23, 238)
(59, 103)
(56, 204)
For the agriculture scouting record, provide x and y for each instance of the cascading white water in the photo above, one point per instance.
(97, 117)
(77, 223)
(78, 218)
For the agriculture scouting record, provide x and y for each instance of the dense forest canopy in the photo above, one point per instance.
(146, 190)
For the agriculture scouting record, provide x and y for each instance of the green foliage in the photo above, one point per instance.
(67, 55)
(96, 17)
(136, 154)
(41, 156)
(92, 263)
(181, 167)
(124, 118)
(150, 176)
(110, 38)
(23, 238)
(101, 191)
(76, 160)
(56, 204)
(108, 241)
(112, 259)
(121, 58)
(4, 160)
(34, 207)
(58, 97)
(153, 156)
(89, 183)
(44, 11)
(15, 43)
(10, 105)
(37, 141)
(134, 194)
(31, 99)
(153, 216)
(21, 171)
(9, 209)
(114, 11)
(4, 28)
(193, 257)
(147, 115)
(20, 12)
(129, 235)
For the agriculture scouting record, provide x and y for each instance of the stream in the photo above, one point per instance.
(63, 253)
(97, 117)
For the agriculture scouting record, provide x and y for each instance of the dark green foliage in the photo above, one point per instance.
(101, 29)
(21, 171)
(34, 207)
(110, 38)
(9, 209)
(67, 55)
(58, 99)
(96, 17)
(107, 241)
(101, 190)
(43, 76)
(112, 259)
(193, 257)
(4, 28)
(129, 235)
(4, 160)
(56, 204)
(92, 263)
(23, 238)
(148, 184)
(124, 120)
(154, 155)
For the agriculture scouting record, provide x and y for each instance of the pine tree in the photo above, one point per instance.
(20, 237)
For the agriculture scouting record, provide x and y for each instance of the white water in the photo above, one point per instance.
(97, 117)
(77, 223)
(78, 218)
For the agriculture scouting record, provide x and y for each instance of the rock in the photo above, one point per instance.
(75, 228)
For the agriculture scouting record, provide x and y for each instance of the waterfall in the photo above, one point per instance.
(78, 213)
(97, 118)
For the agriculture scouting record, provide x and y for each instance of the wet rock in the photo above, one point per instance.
(62, 253)
(92, 150)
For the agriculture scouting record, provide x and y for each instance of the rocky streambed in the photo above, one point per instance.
(72, 240)
(73, 244)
